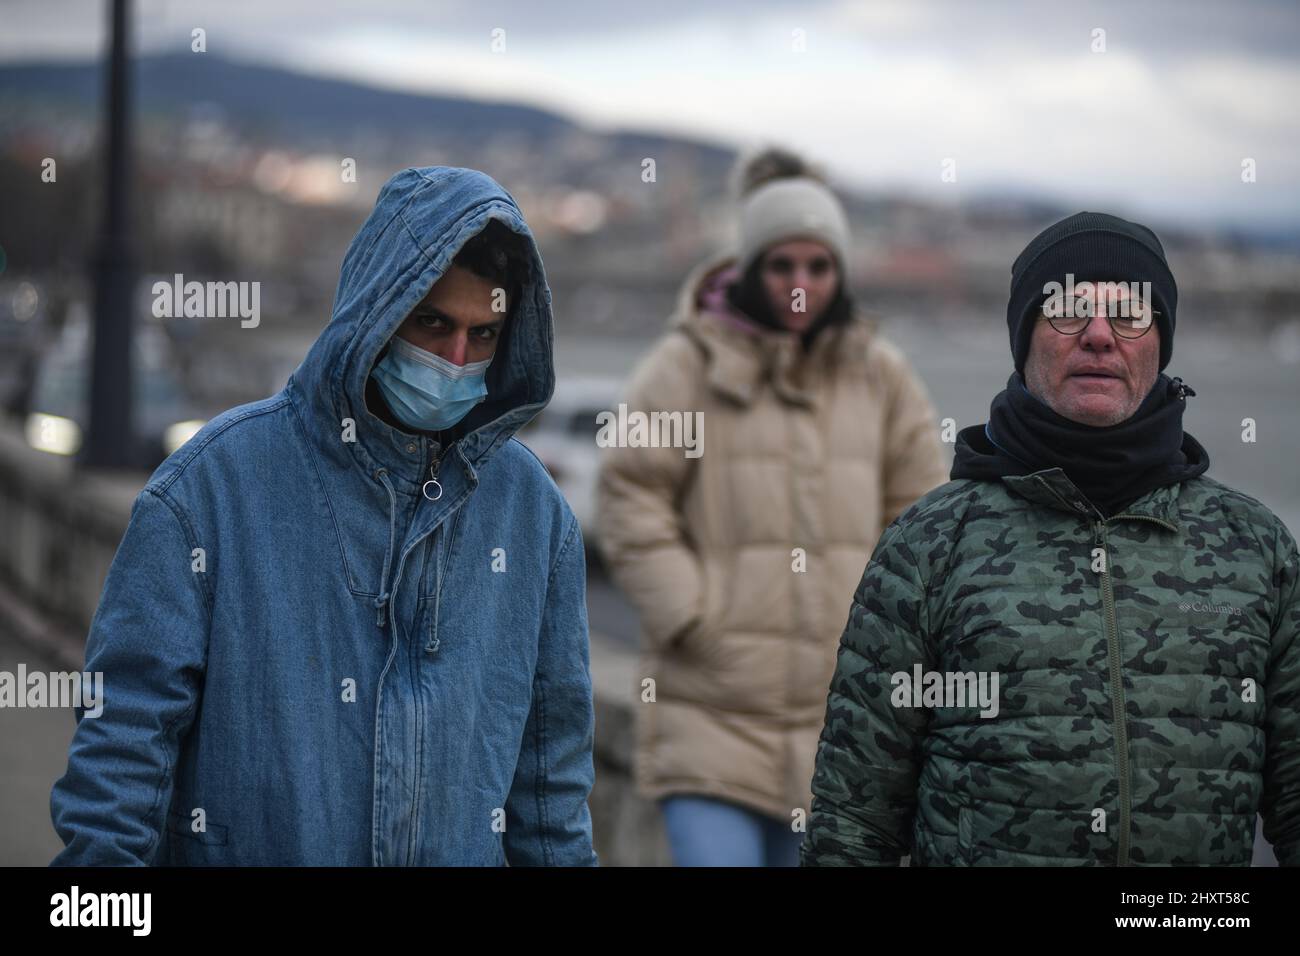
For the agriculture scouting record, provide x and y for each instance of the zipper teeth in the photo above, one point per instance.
(1117, 684)
(1117, 695)
(1160, 521)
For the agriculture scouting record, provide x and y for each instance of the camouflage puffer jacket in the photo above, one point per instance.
(1147, 672)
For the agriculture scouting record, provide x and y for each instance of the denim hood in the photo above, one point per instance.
(421, 220)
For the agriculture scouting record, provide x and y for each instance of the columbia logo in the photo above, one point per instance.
(1202, 607)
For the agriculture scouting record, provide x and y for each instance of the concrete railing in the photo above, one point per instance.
(59, 530)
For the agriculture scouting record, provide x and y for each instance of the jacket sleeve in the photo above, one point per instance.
(868, 757)
(642, 535)
(548, 822)
(1280, 805)
(149, 640)
(914, 461)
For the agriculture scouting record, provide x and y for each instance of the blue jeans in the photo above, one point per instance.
(705, 831)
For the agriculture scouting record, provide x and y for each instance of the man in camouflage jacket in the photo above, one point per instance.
(1082, 650)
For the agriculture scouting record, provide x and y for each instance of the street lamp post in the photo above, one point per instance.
(110, 443)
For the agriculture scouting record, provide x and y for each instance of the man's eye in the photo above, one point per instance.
(489, 333)
(428, 320)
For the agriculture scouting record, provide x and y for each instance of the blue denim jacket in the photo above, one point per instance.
(305, 660)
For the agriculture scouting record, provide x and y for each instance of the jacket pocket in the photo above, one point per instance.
(713, 606)
(703, 623)
(687, 641)
(181, 825)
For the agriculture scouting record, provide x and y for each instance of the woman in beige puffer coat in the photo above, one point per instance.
(742, 562)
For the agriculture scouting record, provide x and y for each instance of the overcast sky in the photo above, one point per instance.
(882, 93)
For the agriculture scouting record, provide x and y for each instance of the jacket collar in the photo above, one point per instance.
(741, 355)
(1052, 488)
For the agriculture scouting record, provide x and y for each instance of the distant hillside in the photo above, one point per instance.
(295, 104)
(248, 92)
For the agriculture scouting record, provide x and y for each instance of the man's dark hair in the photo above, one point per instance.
(500, 255)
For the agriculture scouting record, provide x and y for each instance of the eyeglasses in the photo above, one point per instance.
(1129, 318)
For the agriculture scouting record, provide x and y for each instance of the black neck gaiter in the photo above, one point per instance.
(1113, 465)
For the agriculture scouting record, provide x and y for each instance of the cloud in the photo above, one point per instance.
(885, 91)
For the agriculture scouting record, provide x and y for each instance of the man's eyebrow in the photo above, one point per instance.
(425, 308)
(428, 308)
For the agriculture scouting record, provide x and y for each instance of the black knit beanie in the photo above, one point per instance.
(1094, 247)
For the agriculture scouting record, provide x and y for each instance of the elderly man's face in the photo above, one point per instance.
(1096, 377)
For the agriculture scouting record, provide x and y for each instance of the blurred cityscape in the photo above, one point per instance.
(238, 176)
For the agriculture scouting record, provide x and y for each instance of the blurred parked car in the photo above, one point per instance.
(53, 401)
(563, 436)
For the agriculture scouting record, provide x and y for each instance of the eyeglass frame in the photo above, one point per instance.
(1110, 319)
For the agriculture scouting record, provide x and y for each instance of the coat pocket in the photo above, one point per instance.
(182, 825)
(701, 637)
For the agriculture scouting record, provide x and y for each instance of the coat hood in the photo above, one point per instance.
(421, 219)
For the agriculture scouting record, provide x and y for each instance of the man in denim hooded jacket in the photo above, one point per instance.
(311, 654)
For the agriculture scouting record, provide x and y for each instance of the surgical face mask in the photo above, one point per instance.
(425, 391)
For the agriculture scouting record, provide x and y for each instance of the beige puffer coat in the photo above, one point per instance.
(805, 460)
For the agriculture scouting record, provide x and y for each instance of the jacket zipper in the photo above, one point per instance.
(433, 494)
(1118, 716)
(433, 477)
(1118, 708)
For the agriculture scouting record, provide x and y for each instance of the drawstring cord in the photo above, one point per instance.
(382, 600)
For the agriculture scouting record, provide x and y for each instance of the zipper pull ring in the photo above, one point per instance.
(433, 480)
